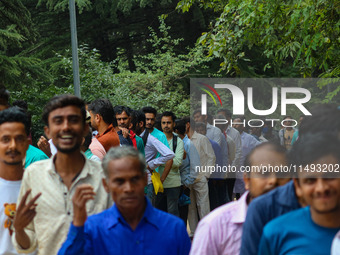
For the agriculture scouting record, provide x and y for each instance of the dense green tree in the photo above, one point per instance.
(118, 29)
(17, 35)
(274, 38)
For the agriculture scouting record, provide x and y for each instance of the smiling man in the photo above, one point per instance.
(132, 225)
(309, 230)
(44, 223)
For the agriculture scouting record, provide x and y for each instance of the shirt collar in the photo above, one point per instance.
(133, 135)
(87, 170)
(108, 129)
(194, 135)
(239, 216)
(185, 138)
(116, 217)
(286, 195)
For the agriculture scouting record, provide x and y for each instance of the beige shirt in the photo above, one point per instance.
(206, 152)
(50, 226)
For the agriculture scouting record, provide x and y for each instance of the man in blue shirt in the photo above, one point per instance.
(284, 199)
(132, 225)
(309, 230)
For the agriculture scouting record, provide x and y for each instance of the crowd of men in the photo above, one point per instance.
(93, 184)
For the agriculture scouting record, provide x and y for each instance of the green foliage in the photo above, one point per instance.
(16, 34)
(161, 79)
(303, 34)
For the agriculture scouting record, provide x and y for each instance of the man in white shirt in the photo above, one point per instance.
(199, 191)
(14, 141)
(44, 223)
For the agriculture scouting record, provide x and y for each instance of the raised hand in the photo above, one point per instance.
(24, 215)
(25, 212)
(125, 132)
(84, 193)
(44, 145)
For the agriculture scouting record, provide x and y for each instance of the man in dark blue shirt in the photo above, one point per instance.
(132, 225)
(262, 210)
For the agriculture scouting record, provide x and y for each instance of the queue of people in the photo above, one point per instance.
(90, 187)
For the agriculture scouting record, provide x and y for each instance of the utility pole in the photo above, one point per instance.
(74, 42)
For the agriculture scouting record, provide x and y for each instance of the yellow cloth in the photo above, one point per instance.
(156, 182)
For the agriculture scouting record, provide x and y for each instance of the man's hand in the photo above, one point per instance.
(83, 194)
(125, 132)
(167, 168)
(24, 215)
(44, 145)
(150, 170)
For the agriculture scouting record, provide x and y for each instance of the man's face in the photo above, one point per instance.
(201, 130)
(126, 184)
(259, 183)
(199, 118)
(320, 192)
(94, 124)
(288, 122)
(167, 124)
(13, 143)
(66, 128)
(150, 120)
(239, 127)
(123, 120)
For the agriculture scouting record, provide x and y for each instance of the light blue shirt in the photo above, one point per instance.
(188, 166)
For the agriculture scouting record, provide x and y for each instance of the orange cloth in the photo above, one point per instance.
(109, 138)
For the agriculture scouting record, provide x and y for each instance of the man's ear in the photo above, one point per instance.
(47, 132)
(297, 187)
(106, 187)
(97, 117)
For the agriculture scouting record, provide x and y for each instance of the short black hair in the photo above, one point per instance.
(180, 127)
(287, 116)
(21, 104)
(62, 101)
(136, 117)
(226, 112)
(15, 114)
(271, 146)
(187, 119)
(4, 96)
(325, 117)
(197, 111)
(312, 146)
(149, 109)
(104, 108)
(119, 109)
(169, 114)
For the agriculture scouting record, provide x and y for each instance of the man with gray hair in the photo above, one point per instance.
(131, 225)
